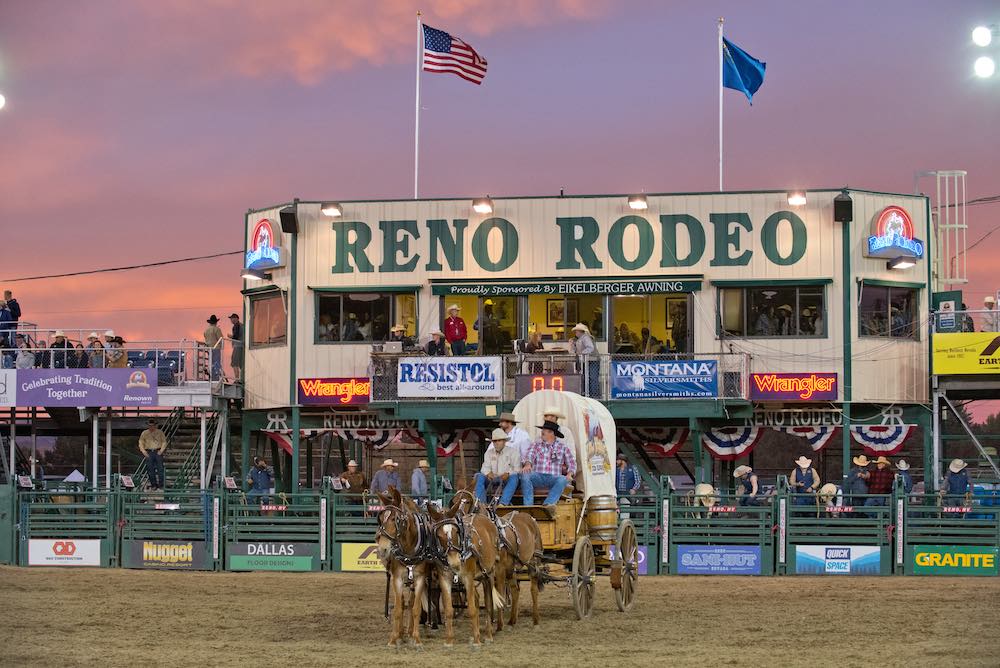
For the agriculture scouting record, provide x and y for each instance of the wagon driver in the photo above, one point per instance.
(547, 458)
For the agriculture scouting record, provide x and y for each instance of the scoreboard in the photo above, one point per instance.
(526, 383)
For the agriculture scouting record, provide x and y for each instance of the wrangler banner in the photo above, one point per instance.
(966, 353)
(168, 554)
(954, 560)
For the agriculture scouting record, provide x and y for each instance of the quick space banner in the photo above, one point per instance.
(837, 559)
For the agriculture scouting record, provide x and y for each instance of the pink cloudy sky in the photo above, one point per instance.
(138, 131)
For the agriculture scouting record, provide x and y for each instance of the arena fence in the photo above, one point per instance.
(324, 529)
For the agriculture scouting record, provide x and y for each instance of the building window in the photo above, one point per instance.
(554, 316)
(775, 310)
(888, 312)
(650, 324)
(268, 320)
(363, 317)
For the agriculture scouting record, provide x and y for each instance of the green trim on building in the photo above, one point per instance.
(367, 288)
(882, 283)
(756, 283)
(848, 334)
(246, 292)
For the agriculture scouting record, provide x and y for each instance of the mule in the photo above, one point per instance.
(467, 546)
(404, 541)
(521, 548)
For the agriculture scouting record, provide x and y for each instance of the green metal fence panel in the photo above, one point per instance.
(8, 516)
(66, 527)
(950, 536)
(354, 519)
(173, 530)
(644, 512)
(854, 538)
(289, 532)
(715, 535)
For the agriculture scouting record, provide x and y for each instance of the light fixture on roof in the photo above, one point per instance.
(255, 275)
(901, 263)
(638, 202)
(483, 205)
(984, 67)
(796, 198)
(332, 209)
(982, 35)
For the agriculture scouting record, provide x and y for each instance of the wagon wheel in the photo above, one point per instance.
(584, 578)
(628, 551)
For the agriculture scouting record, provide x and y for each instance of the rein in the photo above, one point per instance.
(422, 551)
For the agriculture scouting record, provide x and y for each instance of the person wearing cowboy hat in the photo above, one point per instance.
(435, 347)
(500, 468)
(418, 481)
(95, 351)
(906, 480)
(59, 356)
(991, 319)
(455, 332)
(880, 482)
(518, 438)
(956, 483)
(856, 481)
(548, 457)
(804, 481)
(628, 480)
(584, 346)
(749, 493)
(385, 478)
(213, 335)
(352, 478)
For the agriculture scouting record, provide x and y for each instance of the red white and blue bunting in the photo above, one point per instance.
(656, 441)
(816, 437)
(448, 445)
(730, 443)
(881, 439)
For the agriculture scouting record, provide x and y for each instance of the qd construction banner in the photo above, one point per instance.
(653, 380)
(81, 388)
(426, 377)
(64, 552)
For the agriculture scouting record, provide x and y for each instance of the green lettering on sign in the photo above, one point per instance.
(769, 238)
(726, 237)
(449, 244)
(571, 245)
(392, 244)
(345, 248)
(696, 235)
(508, 244)
(616, 242)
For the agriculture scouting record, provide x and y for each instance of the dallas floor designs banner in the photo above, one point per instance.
(426, 377)
(81, 388)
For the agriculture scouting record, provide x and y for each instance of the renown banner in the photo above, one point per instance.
(478, 377)
(837, 559)
(718, 559)
(80, 388)
(954, 560)
(273, 556)
(167, 554)
(651, 379)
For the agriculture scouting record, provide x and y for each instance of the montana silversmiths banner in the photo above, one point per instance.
(652, 379)
(426, 377)
(81, 388)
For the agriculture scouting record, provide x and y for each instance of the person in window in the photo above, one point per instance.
(626, 340)
(898, 323)
(818, 323)
(597, 324)
(364, 332)
(764, 326)
(350, 329)
(489, 329)
(649, 344)
(806, 322)
(326, 330)
(455, 331)
(782, 326)
(679, 330)
(435, 347)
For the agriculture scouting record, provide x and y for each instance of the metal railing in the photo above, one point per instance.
(597, 376)
(982, 320)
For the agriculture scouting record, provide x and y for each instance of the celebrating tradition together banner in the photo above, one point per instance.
(78, 388)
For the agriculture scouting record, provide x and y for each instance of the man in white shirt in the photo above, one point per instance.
(517, 437)
(500, 466)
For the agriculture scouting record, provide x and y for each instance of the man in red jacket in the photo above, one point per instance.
(454, 330)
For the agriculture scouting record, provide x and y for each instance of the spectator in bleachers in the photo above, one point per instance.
(353, 478)
(95, 351)
(12, 306)
(261, 479)
(60, 356)
(385, 477)
(237, 357)
(78, 359)
(804, 482)
(114, 355)
(418, 481)
(956, 483)
(7, 326)
(435, 347)
(152, 445)
(42, 355)
(856, 482)
(628, 480)
(904, 475)
(967, 323)
(879, 481)
(25, 357)
(212, 337)
(749, 491)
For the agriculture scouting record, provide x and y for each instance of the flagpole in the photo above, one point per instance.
(720, 103)
(416, 122)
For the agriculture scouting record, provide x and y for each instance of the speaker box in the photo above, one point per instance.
(289, 220)
(843, 208)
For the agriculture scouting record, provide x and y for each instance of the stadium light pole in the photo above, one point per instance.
(3, 101)
(983, 36)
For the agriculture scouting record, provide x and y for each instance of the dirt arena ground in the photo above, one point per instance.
(119, 617)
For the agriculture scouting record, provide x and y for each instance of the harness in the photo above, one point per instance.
(422, 551)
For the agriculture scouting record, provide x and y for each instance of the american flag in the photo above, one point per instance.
(444, 53)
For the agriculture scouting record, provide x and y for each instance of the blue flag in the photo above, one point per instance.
(740, 70)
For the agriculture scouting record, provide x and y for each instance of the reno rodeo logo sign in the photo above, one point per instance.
(265, 247)
(892, 235)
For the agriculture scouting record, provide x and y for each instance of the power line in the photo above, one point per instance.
(127, 268)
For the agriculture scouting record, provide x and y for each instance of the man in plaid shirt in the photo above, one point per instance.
(546, 460)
